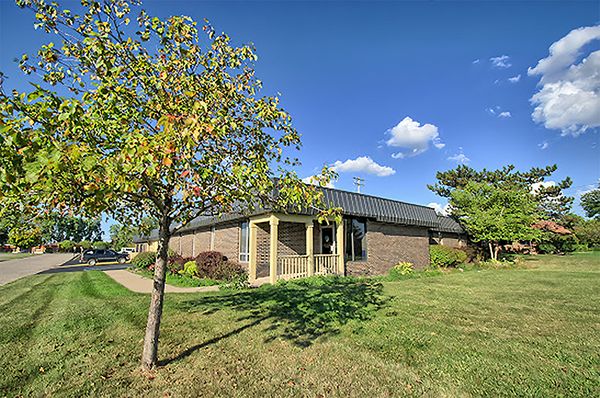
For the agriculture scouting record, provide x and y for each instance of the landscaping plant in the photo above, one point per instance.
(401, 269)
(444, 256)
(144, 260)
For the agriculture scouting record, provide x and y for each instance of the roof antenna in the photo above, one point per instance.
(359, 182)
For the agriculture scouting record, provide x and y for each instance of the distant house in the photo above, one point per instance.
(375, 234)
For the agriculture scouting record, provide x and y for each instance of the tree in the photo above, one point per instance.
(100, 245)
(550, 198)
(590, 202)
(84, 245)
(121, 235)
(25, 236)
(57, 228)
(67, 245)
(588, 232)
(159, 121)
(493, 214)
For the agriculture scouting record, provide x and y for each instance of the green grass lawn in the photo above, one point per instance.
(523, 332)
(177, 280)
(13, 256)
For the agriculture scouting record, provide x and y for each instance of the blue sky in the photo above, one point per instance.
(350, 73)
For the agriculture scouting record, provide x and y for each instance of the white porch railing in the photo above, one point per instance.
(291, 267)
(326, 264)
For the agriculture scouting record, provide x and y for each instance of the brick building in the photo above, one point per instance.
(375, 234)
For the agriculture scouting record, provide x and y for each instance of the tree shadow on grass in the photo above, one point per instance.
(299, 311)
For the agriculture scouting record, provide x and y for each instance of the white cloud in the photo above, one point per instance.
(569, 96)
(545, 184)
(363, 164)
(502, 61)
(443, 210)
(414, 137)
(475, 61)
(544, 145)
(515, 79)
(313, 180)
(497, 111)
(459, 158)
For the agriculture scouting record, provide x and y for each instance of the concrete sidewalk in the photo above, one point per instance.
(139, 284)
(12, 270)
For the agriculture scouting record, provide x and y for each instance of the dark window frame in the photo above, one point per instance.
(349, 240)
(244, 257)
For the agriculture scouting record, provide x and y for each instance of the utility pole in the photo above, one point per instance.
(359, 182)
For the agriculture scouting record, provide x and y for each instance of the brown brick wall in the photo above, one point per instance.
(187, 245)
(292, 239)
(174, 243)
(202, 240)
(262, 250)
(227, 240)
(389, 244)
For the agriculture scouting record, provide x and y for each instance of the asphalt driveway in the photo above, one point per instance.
(14, 269)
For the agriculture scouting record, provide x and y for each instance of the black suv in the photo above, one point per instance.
(103, 256)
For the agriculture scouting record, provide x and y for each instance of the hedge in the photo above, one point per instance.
(444, 256)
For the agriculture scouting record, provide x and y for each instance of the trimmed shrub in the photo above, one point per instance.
(208, 262)
(175, 262)
(401, 269)
(144, 260)
(547, 248)
(443, 256)
(238, 282)
(214, 265)
(85, 244)
(66, 245)
(189, 269)
(101, 245)
(227, 271)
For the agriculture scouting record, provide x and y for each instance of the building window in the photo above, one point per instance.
(356, 239)
(244, 242)
(212, 237)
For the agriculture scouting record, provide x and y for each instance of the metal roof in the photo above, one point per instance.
(352, 204)
(448, 224)
(380, 209)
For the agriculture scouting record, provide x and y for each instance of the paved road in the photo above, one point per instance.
(14, 269)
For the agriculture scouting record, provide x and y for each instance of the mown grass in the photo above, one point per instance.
(13, 256)
(519, 332)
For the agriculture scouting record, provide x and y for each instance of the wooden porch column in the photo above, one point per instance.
(309, 249)
(339, 244)
(253, 251)
(273, 234)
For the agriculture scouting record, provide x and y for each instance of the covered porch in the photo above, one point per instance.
(284, 246)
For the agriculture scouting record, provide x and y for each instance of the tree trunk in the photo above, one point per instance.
(150, 353)
(491, 250)
(496, 251)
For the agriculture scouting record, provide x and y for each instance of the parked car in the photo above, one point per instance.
(94, 256)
